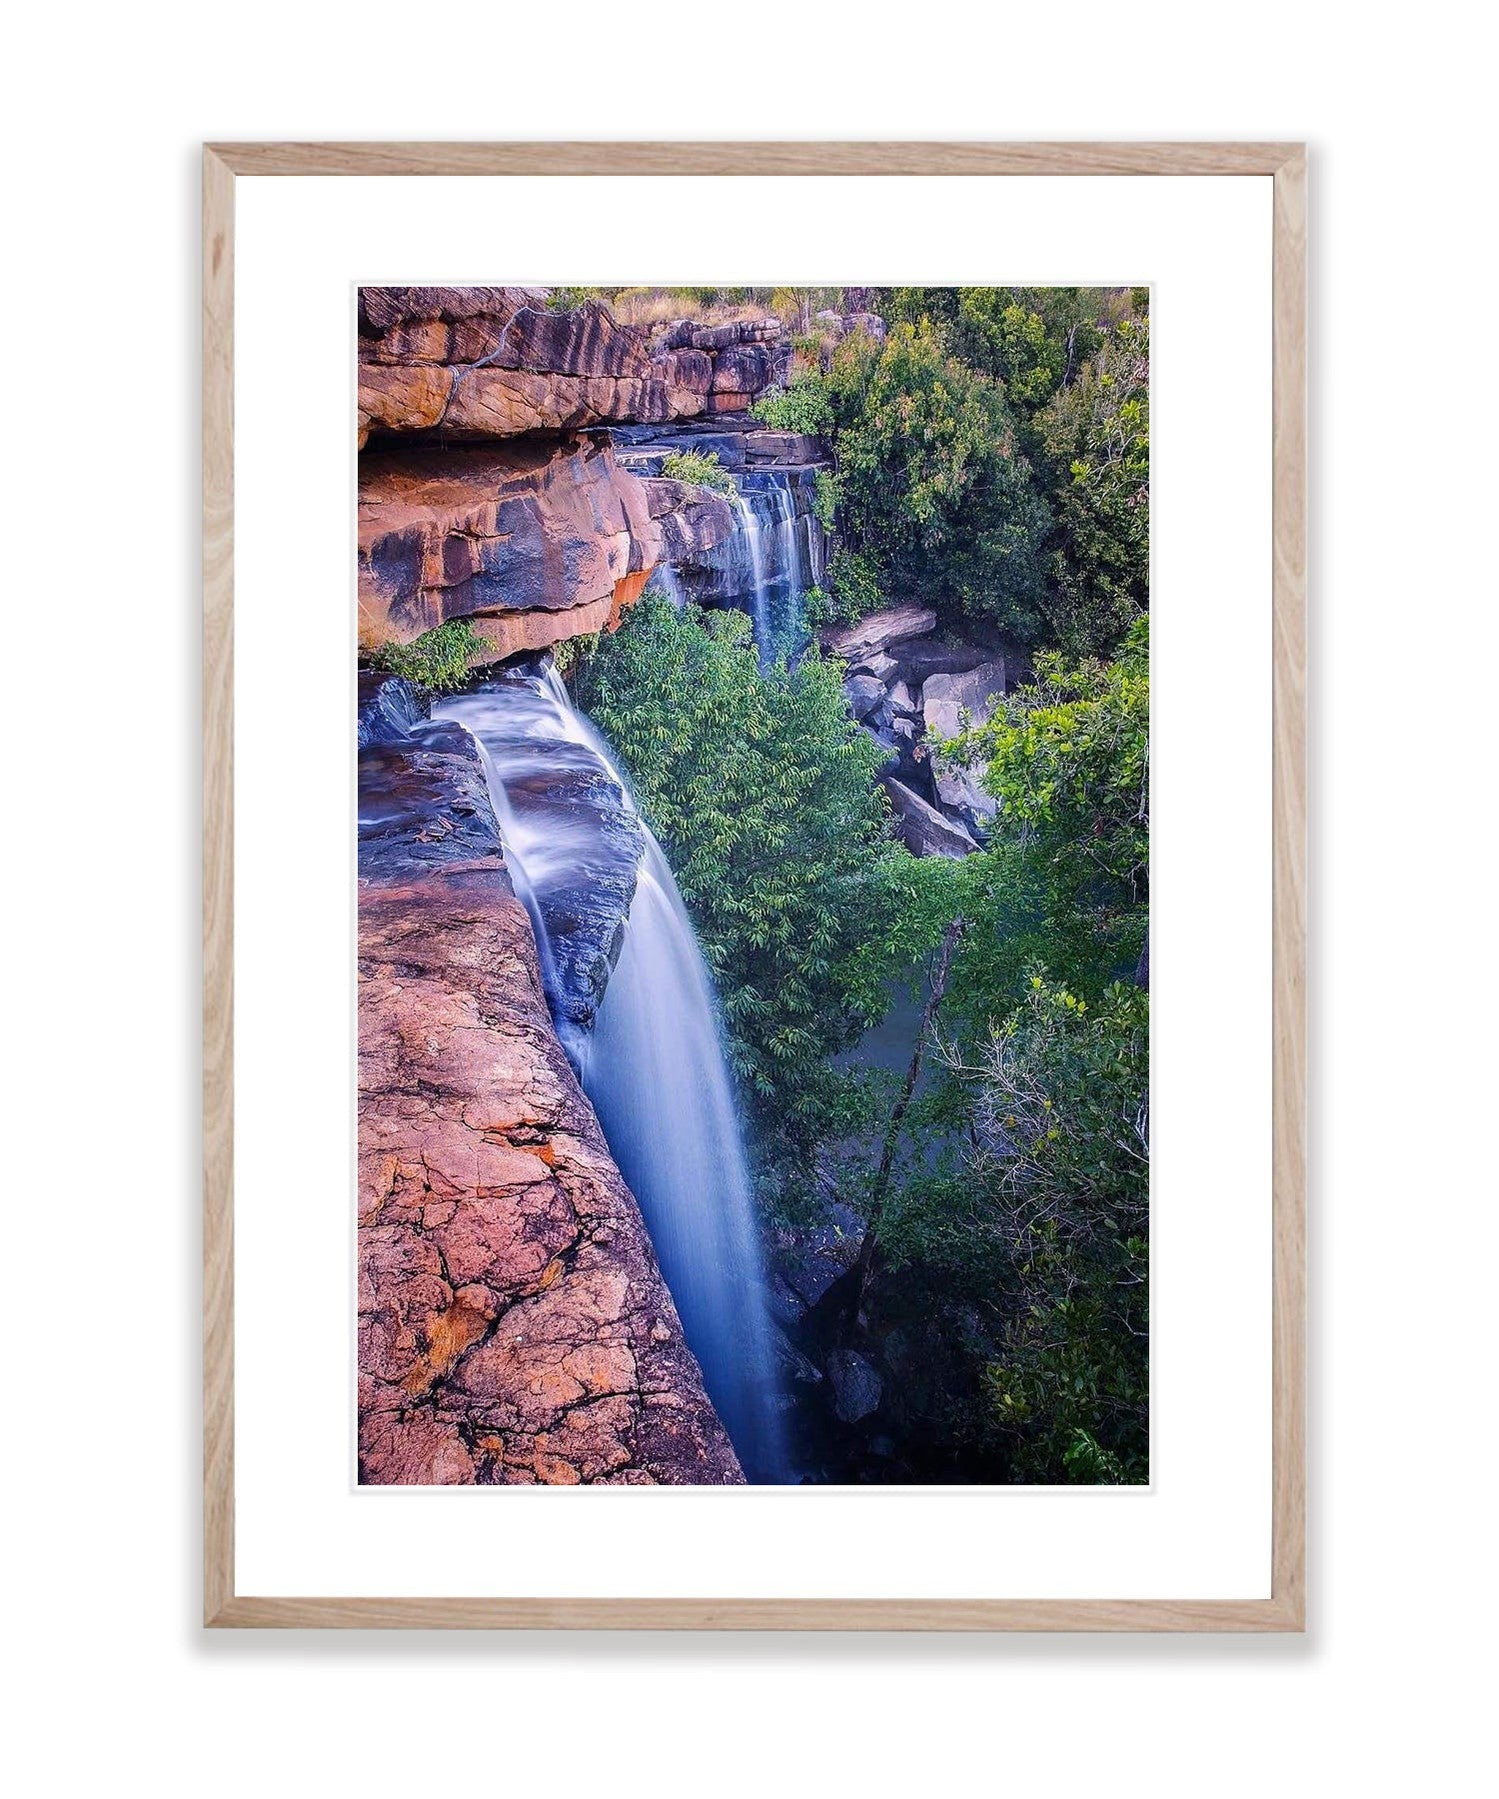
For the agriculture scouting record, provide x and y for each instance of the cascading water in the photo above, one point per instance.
(774, 554)
(749, 527)
(660, 1085)
(666, 577)
(654, 1065)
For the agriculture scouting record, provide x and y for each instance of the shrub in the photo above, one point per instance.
(804, 406)
(854, 584)
(826, 494)
(438, 660)
(698, 470)
(564, 299)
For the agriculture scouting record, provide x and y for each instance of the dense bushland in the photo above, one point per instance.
(990, 459)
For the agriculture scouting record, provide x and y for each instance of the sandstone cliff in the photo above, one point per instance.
(514, 1327)
(533, 540)
(484, 362)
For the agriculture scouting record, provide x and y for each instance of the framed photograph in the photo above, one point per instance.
(754, 938)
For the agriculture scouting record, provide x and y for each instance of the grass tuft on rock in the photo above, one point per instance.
(698, 470)
(438, 660)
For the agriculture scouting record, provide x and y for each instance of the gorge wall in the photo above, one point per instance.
(513, 1324)
(480, 497)
(533, 540)
(484, 362)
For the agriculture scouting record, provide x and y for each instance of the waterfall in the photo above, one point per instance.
(659, 1082)
(749, 525)
(665, 576)
(654, 1065)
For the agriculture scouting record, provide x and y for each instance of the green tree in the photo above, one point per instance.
(762, 790)
(1095, 445)
(1062, 1160)
(1017, 1237)
(1068, 758)
(934, 490)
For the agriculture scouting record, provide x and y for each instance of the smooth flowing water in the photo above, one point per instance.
(654, 1064)
(749, 531)
(765, 566)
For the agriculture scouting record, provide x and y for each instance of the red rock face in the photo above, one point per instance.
(534, 541)
(489, 362)
(513, 1324)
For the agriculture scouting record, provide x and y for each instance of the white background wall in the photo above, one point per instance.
(98, 434)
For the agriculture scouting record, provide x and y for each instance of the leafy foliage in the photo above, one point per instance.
(935, 491)
(438, 660)
(761, 788)
(1062, 1128)
(854, 584)
(1095, 437)
(698, 470)
(1069, 760)
(803, 406)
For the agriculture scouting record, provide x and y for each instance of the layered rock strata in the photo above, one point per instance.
(514, 1326)
(533, 541)
(484, 362)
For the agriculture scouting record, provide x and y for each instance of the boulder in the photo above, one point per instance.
(864, 694)
(866, 324)
(881, 666)
(742, 370)
(945, 698)
(959, 791)
(929, 657)
(740, 331)
(877, 632)
(514, 1327)
(857, 1388)
(902, 699)
(923, 829)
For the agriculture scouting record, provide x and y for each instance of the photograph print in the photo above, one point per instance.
(753, 886)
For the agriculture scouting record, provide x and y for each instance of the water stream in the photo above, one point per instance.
(653, 1063)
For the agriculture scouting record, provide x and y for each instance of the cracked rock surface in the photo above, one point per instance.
(513, 1325)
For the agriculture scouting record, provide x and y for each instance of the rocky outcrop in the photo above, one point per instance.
(739, 444)
(947, 701)
(533, 541)
(869, 636)
(924, 830)
(912, 690)
(560, 791)
(485, 362)
(514, 1327)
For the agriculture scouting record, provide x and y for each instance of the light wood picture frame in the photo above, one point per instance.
(224, 1605)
